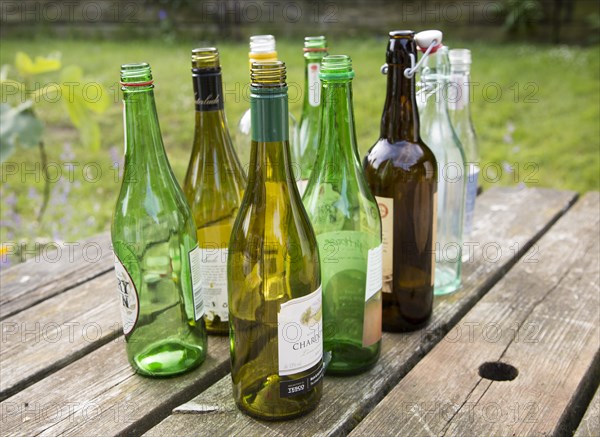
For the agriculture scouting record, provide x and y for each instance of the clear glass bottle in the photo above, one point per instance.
(438, 133)
(459, 104)
(346, 221)
(262, 49)
(402, 174)
(155, 246)
(315, 48)
(275, 300)
(214, 185)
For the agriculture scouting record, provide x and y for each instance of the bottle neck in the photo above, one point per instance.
(337, 136)
(208, 96)
(143, 140)
(400, 119)
(459, 93)
(312, 84)
(270, 155)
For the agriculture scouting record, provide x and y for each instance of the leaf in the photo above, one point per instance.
(90, 134)
(49, 92)
(27, 67)
(18, 125)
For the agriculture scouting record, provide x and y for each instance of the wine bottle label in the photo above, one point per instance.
(314, 84)
(128, 297)
(302, 183)
(299, 386)
(213, 280)
(196, 275)
(300, 333)
(471, 196)
(374, 271)
(351, 277)
(208, 89)
(434, 236)
(386, 210)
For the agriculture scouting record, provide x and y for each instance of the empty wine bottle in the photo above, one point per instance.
(346, 221)
(262, 49)
(213, 186)
(459, 104)
(154, 240)
(437, 132)
(315, 48)
(275, 302)
(402, 174)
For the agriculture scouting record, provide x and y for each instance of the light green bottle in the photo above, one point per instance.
(315, 49)
(347, 224)
(155, 246)
(438, 133)
(274, 279)
(214, 185)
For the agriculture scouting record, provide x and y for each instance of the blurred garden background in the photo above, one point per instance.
(536, 99)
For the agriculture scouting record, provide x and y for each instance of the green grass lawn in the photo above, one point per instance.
(536, 112)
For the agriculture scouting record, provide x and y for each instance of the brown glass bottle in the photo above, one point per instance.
(402, 174)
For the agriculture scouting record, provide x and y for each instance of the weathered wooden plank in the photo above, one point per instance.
(56, 269)
(57, 331)
(510, 219)
(99, 394)
(590, 424)
(543, 319)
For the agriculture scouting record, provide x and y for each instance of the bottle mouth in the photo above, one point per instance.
(136, 74)
(205, 57)
(401, 34)
(336, 67)
(262, 44)
(315, 44)
(460, 56)
(268, 74)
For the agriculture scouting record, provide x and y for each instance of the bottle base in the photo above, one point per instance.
(446, 281)
(262, 400)
(349, 358)
(168, 358)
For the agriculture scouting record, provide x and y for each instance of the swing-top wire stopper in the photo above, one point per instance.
(428, 42)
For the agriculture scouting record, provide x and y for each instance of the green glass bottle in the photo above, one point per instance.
(346, 221)
(274, 279)
(402, 174)
(214, 186)
(155, 246)
(315, 49)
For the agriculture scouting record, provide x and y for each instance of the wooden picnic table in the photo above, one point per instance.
(530, 300)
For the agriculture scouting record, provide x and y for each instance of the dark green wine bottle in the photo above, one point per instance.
(154, 240)
(274, 279)
(214, 185)
(402, 174)
(346, 221)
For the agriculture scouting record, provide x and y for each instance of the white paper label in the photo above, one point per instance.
(302, 183)
(300, 336)
(213, 280)
(128, 297)
(374, 272)
(386, 209)
(314, 84)
(196, 273)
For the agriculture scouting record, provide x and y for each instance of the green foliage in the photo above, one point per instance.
(20, 124)
(521, 16)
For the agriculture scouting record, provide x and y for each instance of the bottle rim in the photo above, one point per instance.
(136, 74)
